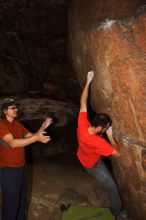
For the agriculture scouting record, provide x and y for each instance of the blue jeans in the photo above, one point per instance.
(13, 187)
(101, 173)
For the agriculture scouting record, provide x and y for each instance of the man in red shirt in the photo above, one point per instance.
(14, 137)
(92, 146)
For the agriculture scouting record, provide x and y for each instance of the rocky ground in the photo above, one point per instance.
(61, 181)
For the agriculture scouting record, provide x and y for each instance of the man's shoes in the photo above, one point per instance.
(124, 214)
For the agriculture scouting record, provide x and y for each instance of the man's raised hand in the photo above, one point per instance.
(41, 137)
(46, 123)
(90, 76)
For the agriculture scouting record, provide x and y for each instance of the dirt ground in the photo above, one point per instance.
(60, 181)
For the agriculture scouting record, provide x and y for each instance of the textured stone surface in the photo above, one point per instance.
(32, 41)
(70, 196)
(31, 109)
(109, 38)
(48, 189)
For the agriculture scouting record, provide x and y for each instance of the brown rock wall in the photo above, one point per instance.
(32, 38)
(109, 38)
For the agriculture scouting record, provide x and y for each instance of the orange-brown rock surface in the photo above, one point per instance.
(109, 37)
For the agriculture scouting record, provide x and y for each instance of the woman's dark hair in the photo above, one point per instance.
(101, 119)
(3, 115)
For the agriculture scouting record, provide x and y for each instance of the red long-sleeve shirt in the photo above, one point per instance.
(90, 146)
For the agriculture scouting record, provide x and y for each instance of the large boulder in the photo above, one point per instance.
(109, 38)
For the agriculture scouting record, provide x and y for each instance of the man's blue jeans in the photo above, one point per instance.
(101, 173)
(13, 187)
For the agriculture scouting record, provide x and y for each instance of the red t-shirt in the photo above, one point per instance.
(90, 146)
(11, 157)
